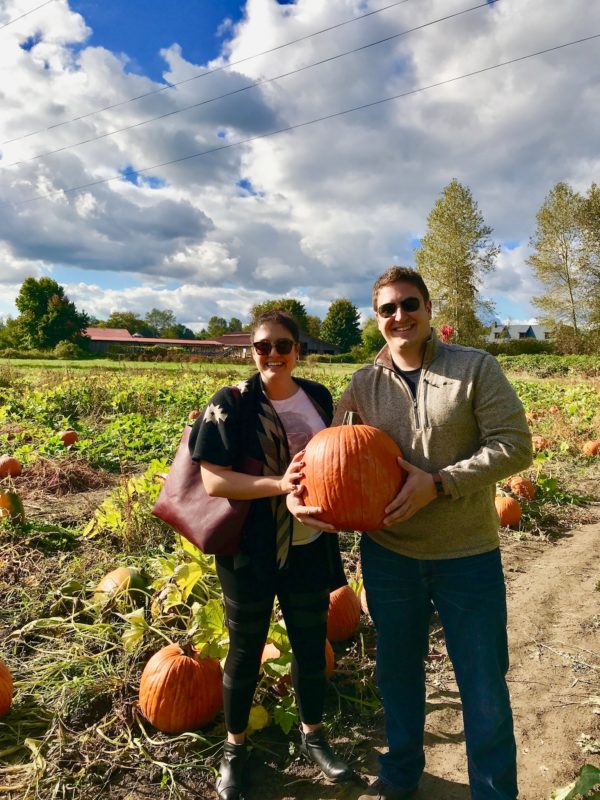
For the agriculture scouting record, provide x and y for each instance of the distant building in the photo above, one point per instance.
(230, 345)
(500, 332)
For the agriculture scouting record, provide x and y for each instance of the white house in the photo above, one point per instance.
(501, 332)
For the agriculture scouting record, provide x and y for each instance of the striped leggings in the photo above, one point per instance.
(303, 594)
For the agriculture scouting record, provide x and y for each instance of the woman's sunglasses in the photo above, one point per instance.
(408, 304)
(282, 346)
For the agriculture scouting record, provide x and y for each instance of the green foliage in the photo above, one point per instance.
(516, 347)
(47, 316)
(69, 350)
(454, 257)
(341, 325)
(566, 255)
(547, 366)
(372, 339)
(293, 307)
(586, 786)
(130, 321)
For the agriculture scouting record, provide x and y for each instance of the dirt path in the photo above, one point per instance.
(554, 629)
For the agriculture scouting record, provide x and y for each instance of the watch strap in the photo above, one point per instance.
(439, 486)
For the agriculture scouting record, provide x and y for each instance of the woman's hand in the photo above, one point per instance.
(293, 474)
(306, 514)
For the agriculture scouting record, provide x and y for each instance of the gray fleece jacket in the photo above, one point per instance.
(466, 423)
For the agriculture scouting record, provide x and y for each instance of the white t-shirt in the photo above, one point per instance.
(301, 421)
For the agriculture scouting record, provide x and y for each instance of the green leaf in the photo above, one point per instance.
(285, 714)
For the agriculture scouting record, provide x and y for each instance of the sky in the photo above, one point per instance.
(141, 168)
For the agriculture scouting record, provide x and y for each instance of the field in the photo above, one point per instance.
(76, 654)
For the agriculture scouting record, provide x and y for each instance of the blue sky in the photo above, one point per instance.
(316, 213)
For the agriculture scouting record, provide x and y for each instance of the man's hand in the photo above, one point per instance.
(417, 492)
(306, 514)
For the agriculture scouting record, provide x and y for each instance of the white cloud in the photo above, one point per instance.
(329, 205)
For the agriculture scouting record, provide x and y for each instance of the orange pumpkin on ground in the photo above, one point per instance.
(6, 689)
(68, 437)
(194, 414)
(10, 467)
(179, 691)
(11, 506)
(522, 486)
(509, 510)
(352, 472)
(539, 443)
(344, 614)
(122, 579)
(591, 448)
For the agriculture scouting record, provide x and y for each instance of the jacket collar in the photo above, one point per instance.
(384, 357)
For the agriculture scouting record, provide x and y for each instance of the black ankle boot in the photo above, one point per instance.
(316, 748)
(231, 771)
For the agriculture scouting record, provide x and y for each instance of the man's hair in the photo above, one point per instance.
(399, 274)
(277, 316)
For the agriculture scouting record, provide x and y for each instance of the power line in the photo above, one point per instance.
(206, 72)
(134, 172)
(26, 14)
(261, 82)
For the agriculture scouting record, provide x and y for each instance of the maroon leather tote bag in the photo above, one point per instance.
(213, 524)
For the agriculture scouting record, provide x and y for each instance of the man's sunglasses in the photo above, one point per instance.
(408, 304)
(282, 346)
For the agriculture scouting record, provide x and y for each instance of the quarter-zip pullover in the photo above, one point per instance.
(466, 422)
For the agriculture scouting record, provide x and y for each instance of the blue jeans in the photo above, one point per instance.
(469, 595)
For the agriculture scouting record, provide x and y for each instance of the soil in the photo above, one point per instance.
(554, 680)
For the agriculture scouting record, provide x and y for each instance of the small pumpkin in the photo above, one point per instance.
(352, 472)
(68, 437)
(271, 653)
(11, 506)
(179, 691)
(344, 614)
(6, 689)
(194, 414)
(539, 443)
(123, 580)
(522, 486)
(591, 448)
(10, 467)
(509, 510)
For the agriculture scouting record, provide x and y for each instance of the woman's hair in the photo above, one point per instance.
(277, 316)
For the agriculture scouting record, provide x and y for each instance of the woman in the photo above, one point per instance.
(271, 419)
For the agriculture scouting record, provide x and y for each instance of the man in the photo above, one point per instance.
(461, 428)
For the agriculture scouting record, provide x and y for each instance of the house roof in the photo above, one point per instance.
(122, 335)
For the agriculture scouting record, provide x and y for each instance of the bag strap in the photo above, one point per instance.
(351, 418)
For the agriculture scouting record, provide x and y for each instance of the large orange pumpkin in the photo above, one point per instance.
(10, 467)
(509, 510)
(6, 689)
(352, 472)
(11, 506)
(522, 486)
(344, 614)
(179, 691)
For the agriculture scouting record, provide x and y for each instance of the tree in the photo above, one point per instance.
(235, 325)
(11, 333)
(372, 339)
(293, 307)
(565, 257)
(161, 319)
(177, 331)
(313, 326)
(454, 256)
(590, 217)
(129, 320)
(217, 326)
(47, 316)
(341, 325)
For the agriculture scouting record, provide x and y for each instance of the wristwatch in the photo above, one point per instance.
(439, 486)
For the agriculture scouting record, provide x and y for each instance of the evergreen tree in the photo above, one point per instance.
(47, 316)
(341, 325)
(454, 256)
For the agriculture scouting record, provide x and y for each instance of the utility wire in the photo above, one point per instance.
(261, 82)
(134, 172)
(207, 72)
(26, 14)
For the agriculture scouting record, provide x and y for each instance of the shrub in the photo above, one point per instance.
(67, 349)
